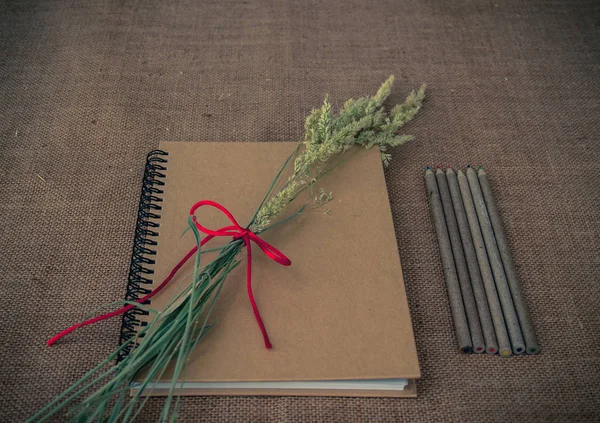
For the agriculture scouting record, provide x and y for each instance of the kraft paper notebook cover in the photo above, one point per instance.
(338, 317)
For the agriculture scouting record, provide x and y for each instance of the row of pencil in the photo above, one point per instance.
(488, 308)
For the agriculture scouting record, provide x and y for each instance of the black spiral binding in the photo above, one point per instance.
(140, 272)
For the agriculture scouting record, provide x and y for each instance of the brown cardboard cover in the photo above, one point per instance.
(338, 312)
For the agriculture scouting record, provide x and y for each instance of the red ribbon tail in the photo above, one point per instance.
(261, 325)
(129, 306)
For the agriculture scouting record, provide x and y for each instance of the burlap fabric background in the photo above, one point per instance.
(87, 88)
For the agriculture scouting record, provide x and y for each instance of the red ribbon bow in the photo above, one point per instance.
(235, 231)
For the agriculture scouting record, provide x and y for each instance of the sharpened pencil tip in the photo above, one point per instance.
(479, 167)
(427, 168)
(468, 165)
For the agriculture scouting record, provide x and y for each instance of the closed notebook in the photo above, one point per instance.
(338, 317)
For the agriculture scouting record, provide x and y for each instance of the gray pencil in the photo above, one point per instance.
(508, 308)
(487, 326)
(484, 266)
(456, 305)
(461, 264)
(509, 266)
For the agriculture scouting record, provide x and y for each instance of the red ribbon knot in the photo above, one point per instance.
(235, 231)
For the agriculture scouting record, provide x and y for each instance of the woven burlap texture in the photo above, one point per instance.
(88, 88)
